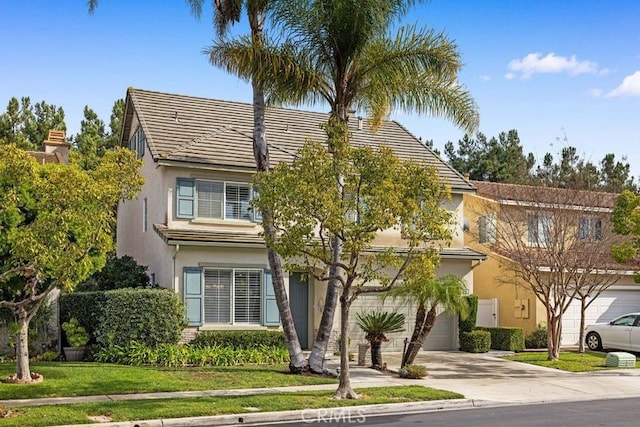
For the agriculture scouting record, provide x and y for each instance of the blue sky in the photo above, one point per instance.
(549, 69)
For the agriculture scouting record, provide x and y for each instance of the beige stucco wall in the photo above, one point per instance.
(146, 246)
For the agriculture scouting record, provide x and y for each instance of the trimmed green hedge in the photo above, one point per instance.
(475, 341)
(240, 339)
(87, 307)
(118, 317)
(537, 338)
(510, 339)
(146, 316)
(467, 325)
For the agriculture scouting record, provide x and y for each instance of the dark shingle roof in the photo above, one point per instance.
(219, 133)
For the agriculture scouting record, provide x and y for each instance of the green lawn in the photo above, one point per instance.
(85, 379)
(569, 360)
(202, 406)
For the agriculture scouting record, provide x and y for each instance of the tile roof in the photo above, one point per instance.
(225, 238)
(557, 196)
(220, 133)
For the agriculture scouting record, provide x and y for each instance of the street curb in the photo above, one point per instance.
(336, 414)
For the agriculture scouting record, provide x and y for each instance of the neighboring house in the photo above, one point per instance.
(549, 216)
(192, 224)
(55, 149)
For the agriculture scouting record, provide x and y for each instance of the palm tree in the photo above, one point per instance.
(338, 52)
(375, 325)
(227, 13)
(446, 292)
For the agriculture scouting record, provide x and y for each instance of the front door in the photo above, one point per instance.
(299, 302)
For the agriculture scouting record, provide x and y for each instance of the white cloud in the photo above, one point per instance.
(509, 76)
(485, 78)
(535, 63)
(630, 86)
(595, 92)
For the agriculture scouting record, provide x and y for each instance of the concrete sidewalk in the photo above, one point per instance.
(484, 379)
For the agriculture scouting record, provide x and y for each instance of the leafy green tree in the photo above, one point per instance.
(626, 221)
(54, 229)
(115, 125)
(378, 192)
(340, 53)
(117, 273)
(89, 142)
(26, 125)
(429, 292)
(615, 176)
(497, 160)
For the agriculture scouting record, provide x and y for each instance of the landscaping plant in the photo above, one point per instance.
(376, 324)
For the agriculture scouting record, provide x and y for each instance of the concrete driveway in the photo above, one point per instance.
(487, 377)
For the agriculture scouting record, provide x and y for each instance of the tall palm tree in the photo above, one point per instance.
(430, 293)
(227, 13)
(339, 52)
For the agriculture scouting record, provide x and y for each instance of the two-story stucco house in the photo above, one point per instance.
(192, 224)
(567, 231)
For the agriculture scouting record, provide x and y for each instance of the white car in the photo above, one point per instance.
(622, 333)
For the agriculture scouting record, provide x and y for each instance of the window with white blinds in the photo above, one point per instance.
(245, 286)
(237, 197)
(209, 196)
(217, 295)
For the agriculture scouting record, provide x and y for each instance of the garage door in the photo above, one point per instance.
(443, 335)
(608, 305)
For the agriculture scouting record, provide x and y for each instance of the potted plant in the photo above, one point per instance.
(77, 337)
(375, 325)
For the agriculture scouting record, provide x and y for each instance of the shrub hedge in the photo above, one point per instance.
(467, 325)
(475, 341)
(240, 339)
(87, 307)
(510, 339)
(537, 338)
(118, 317)
(147, 316)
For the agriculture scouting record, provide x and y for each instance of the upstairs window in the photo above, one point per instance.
(214, 199)
(590, 228)
(487, 228)
(539, 228)
(137, 142)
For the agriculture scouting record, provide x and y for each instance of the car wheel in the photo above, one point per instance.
(593, 341)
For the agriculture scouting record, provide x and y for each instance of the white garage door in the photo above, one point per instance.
(610, 304)
(444, 333)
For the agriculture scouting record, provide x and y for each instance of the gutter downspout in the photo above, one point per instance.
(176, 280)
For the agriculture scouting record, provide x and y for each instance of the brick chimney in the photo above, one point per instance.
(57, 144)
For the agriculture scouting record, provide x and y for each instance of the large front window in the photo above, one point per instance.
(232, 295)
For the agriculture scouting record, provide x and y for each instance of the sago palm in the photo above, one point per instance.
(376, 324)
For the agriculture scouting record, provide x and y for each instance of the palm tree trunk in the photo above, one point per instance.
(376, 354)
(297, 362)
(344, 390)
(316, 359)
(416, 345)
